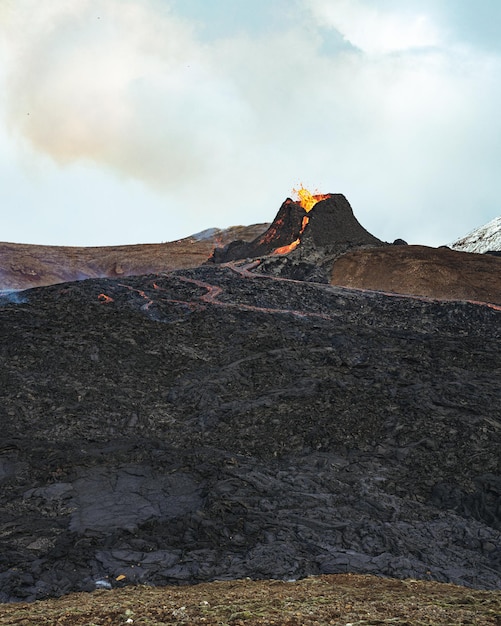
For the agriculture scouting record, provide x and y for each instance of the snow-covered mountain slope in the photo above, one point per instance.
(483, 239)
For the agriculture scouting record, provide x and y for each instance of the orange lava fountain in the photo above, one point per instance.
(307, 200)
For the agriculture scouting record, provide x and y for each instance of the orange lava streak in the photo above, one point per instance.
(213, 291)
(292, 246)
(143, 295)
(487, 304)
(102, 297)
(286, 249)
(244, 270)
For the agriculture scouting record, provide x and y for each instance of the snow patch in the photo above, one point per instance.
(483, 239)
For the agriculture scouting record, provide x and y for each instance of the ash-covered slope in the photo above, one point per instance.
(486, 238)
(212, 423)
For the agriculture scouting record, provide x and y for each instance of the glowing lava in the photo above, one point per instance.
(307, 200)
(286, 249)
(102, 297)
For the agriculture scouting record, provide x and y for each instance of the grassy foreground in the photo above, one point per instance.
(341, 599)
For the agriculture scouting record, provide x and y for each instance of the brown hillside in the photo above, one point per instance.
(438, 273)
(23, 265)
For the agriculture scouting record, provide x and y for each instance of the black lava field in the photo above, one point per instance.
(217, 424)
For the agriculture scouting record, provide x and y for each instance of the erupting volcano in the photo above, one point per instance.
(313, 220)
(307, 200)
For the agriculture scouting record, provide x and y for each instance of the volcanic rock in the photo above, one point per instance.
(214, 423)
(332, 223)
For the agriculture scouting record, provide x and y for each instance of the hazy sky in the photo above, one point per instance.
(131, 121)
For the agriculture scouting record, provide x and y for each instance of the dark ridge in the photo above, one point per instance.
(332, 222)
(284, 229)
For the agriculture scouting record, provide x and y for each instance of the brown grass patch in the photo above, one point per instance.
(340, 599)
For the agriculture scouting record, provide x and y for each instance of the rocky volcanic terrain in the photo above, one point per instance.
(228, 421)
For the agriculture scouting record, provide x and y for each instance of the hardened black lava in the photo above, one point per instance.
(217, 424)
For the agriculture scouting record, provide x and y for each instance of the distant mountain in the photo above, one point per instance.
(23, 266)
(486, 238)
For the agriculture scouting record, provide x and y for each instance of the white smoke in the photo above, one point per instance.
(122, 83)
(344, 98)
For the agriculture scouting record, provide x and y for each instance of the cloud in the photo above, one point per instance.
(381, 104)
(123, 83)
(374, 29)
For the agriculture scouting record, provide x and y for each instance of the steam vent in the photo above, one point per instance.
(313, 222)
